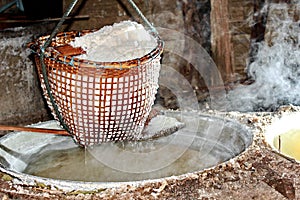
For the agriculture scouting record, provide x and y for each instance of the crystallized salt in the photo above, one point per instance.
(122, 41)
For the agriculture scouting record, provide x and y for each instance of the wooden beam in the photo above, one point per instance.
(221, 38)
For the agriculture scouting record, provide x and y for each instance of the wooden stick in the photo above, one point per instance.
(34, 129)
(24, 20)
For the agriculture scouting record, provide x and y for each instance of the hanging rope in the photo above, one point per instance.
(44, 70)
(142, 16)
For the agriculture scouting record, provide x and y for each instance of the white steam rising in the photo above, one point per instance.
(276, 70)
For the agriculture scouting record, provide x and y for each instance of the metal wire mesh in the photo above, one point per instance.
(99, 101)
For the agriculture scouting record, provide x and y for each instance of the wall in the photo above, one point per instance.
(21, 99)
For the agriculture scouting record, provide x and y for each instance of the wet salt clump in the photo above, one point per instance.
(122, 41)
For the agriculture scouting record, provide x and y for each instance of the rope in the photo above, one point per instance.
(142, 16)
(44, 70)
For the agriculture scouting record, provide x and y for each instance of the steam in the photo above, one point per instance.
(276, 69)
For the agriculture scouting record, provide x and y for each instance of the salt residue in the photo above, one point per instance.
(122, 41)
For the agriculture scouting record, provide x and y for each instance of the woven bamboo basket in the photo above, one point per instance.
(98, 101)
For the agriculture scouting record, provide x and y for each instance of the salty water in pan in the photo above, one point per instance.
(79, 164)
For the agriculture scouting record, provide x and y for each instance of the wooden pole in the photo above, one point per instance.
(221, 38)
(33, 129)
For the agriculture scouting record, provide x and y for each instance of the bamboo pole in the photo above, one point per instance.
(33, 129)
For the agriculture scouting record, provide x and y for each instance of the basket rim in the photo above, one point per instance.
(36, 45)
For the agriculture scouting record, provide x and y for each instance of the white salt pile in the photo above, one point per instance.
(122, 41)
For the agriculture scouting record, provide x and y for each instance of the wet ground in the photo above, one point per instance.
(258, 173)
